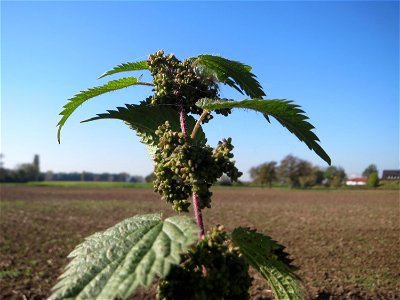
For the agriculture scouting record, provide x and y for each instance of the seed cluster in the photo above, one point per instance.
(179, 83)
(213, 269)
(182, 168)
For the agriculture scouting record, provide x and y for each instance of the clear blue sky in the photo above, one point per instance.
(338, 60)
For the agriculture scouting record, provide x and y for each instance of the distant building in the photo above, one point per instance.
(391, 175)
(357, 181)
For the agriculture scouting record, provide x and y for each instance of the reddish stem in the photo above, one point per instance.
(195, 197)
(182, 119)
(198, 215)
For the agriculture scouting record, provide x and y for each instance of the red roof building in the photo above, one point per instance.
(357, 181)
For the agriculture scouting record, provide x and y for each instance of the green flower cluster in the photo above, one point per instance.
(182, 168)
(178, 83)
(213, 269)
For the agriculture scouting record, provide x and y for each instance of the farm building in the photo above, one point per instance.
(357, 181)
(391, 175)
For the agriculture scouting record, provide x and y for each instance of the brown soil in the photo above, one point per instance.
(346, 243)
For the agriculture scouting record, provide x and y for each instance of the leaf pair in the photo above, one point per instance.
(145, 119)
(232, 73)
(134, 252)
(113, 85)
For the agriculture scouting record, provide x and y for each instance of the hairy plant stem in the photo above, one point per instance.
(196, 127)
(182, 119)
(195, 197)
(198, 215)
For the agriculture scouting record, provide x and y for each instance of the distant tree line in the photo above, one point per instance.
(297, 173)
(31, 172)
(23, 173)
(291, 171)
(89, 176)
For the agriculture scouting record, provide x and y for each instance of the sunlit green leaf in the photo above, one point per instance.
(269, 259)
(230, 72)
(83, 96)
(127, 67)
(145, 119)
(132, 253)
(285, 111)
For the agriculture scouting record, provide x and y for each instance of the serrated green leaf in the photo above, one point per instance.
(232, 73)
(288, 114)
(127, 67)
(145, 119)
(268, 258)
(115, 262)
(83, 96)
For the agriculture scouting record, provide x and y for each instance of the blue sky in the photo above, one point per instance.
(338, 60)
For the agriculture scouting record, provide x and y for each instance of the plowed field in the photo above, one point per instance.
(346, 243)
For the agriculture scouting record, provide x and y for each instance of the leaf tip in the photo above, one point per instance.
(328, 160)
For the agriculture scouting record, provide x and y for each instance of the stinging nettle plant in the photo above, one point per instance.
(189, 263)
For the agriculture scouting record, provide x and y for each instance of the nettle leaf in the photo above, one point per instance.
(287, 113)
(127, 67)
(230, 72)
(83, 96)
(145, 119)
(269, 259)
(115, 262)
